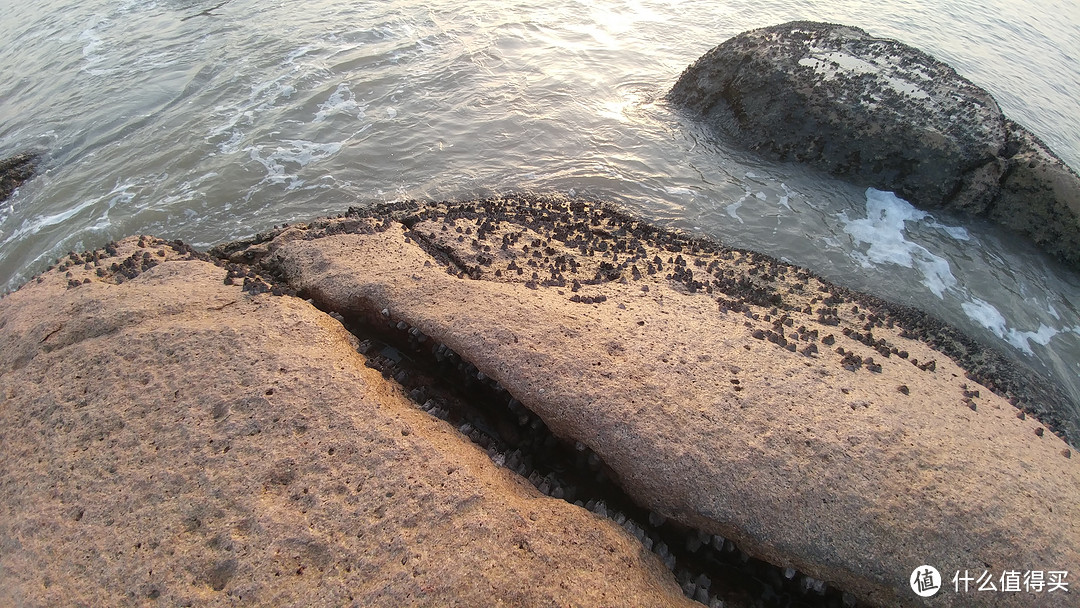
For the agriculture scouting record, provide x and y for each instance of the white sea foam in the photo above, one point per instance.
(91, 42)
(299, 52)
(733, 208)
(268, 92)
(34, 225)
(957, 232)
(119, 194)
(883, 231)
(231, 145)
(679, 191)
(785, 199)
(92, 55)
(295, 152)
(341, 101)
(187, 191)
(264, 95)
(990, 317)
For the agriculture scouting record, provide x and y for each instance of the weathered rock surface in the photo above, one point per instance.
(169, 439)
(170, 436)
(1039, 196)
(726, 390)
(880, 113)
(14, 170)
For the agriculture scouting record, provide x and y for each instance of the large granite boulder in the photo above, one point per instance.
(822, 431)
(177, 429)
(168, 439)
(880, 113)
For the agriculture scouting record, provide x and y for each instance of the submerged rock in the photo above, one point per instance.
(880, 113)
(14, 170)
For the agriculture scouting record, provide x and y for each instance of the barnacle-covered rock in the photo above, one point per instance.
(880, 113)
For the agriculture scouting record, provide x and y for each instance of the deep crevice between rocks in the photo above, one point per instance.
(710, 569)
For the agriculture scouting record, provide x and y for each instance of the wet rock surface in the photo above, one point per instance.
(171, 436)
(14, 170)
(724, 390)
(879, 113)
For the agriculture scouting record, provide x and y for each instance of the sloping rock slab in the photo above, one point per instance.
(169, 439)
(880, 113)
(726, 390)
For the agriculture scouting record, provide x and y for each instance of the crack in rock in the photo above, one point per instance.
(726, 391)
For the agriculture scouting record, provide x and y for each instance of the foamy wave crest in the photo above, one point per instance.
(99, 208)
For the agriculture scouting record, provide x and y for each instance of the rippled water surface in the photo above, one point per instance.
(211, 120)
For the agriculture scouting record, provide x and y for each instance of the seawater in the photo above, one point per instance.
(209, 120)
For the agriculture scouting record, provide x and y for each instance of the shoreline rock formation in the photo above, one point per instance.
(880, 113)
(725, 410)
(187, 411)
(169, 439)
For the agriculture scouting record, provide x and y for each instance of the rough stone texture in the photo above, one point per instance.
(14, 170)
(1040, 196)
(703, 393)
(169, 439)
(880, 113)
